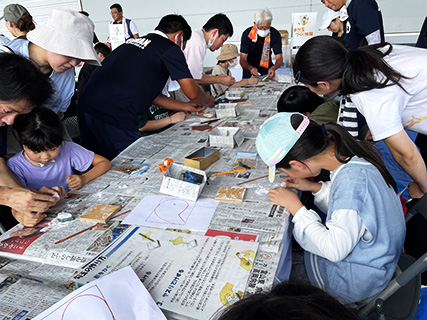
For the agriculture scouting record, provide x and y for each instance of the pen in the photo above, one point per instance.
(148, 238)
(226, 172)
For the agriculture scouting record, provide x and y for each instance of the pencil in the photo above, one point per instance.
(120, 214)
(238, 184)
(226, 172)
(216, 125)
(76, 234)
(148, 238)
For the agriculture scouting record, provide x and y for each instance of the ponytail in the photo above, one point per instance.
(364, 66)
(324, 58)
(313, 141)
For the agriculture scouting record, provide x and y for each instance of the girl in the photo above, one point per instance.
(386, 83)
(354, 255)
(228, 59)
(47, 160)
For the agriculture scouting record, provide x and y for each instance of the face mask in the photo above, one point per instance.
(232, 64)
(263, 33)
(211, 41)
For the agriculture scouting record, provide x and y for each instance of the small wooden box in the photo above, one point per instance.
(207, 157)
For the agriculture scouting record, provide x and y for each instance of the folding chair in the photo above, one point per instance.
(400, 299)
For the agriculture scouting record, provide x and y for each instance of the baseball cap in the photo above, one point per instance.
(276, 137)
(328, 16)
(13, 12)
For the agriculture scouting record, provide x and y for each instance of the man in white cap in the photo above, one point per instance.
(331, 21)
(362, 19)
(56, 47)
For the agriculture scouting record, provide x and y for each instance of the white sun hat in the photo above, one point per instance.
(68, 33)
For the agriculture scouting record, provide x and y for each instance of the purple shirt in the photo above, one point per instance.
(71, 156)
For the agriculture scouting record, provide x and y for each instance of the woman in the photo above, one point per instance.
(386, 83)
(56, 48)
(18, 20)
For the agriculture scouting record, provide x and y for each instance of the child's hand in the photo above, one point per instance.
(178, 117)
(285, 198)
(27, 220)
(75, 182)
(301, 184)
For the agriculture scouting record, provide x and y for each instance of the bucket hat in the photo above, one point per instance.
(68, 33)
(328, 16)
(228, 51)
(276, 137)
(13, 12)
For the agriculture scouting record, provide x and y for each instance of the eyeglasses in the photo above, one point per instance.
(297, 77)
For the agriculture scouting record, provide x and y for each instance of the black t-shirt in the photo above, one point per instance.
(254, 49)
(130, 78)
(84, 75)
(364, 17)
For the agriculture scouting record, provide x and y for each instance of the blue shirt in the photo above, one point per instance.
(364, 18)
(366, 271)
(63, 83)
(130, 78)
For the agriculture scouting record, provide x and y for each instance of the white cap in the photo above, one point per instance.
(328, 16)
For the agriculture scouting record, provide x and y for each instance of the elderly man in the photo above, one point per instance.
(363, 21)
(256, 45)
(22, 87)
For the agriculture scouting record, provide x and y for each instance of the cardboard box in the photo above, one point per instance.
(183, 182)
(227, 110)
(206, 157)
(226, 137)
(234, 93)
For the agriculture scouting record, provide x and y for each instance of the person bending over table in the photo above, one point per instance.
(256, 45)
(22, 87)
(390, 92)
(130, 81)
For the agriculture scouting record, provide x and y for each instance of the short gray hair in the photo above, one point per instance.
(263, 15)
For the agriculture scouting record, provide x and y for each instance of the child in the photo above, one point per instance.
(47, 160)
(302, 99)
(228, 59)
(354, 255)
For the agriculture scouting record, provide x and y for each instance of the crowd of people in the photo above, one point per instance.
(152, 81)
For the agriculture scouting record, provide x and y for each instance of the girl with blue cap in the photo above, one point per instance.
(354, 254)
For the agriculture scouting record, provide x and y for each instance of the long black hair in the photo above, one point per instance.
(39, 130)
(323, 58)
(314, 141)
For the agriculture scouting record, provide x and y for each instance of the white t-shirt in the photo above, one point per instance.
(390, 110)
(195, 52)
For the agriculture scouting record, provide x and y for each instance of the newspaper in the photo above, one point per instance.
(188, 276)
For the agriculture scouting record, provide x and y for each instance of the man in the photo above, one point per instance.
(102, 51)
(22, 87)
(331, 21)
(130, 81)
(212, 36)
(363, 22)
(256, 45)
(130, 29)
